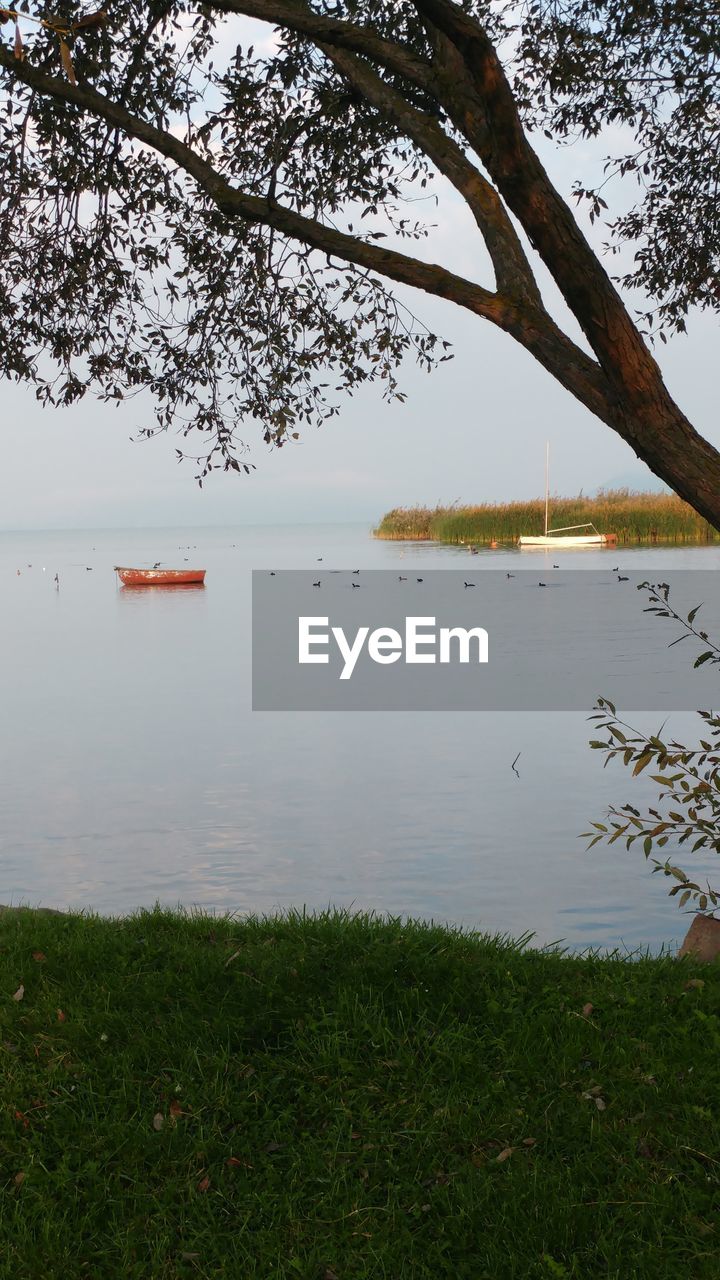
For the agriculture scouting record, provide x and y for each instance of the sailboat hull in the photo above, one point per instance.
(590, 540)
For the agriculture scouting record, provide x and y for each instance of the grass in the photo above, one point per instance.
(632, 517)
(339, 1096)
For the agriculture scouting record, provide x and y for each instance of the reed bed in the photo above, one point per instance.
(632, 517)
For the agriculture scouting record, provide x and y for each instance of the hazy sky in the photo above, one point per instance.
(473, 430)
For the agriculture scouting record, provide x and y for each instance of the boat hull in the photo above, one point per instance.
(591, 540)
(160, 577)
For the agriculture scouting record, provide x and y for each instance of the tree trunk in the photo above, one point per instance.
(674, 450)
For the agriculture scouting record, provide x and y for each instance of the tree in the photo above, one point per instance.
(223, 228)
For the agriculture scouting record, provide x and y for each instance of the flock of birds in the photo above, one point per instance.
(401, 578)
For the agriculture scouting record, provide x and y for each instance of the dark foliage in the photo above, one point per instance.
(651, 70)
(217, 226)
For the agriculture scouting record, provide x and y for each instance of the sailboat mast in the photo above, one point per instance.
(547, 483)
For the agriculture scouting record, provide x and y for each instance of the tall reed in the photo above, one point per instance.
(632, 517)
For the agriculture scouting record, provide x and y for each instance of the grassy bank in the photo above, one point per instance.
(632, 517)
(341, 1097)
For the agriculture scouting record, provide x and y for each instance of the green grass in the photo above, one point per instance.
(632, 517)
(335, 1095)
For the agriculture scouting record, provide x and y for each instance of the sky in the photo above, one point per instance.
(473, 430)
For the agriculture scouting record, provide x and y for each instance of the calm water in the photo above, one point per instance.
(133, 771)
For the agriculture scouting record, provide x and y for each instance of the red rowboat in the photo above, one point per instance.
(159, 577)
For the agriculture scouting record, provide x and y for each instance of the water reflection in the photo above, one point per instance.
(151, 588)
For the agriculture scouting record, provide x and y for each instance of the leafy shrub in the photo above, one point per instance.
(687, 811)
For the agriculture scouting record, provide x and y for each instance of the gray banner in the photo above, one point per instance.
(378, 640)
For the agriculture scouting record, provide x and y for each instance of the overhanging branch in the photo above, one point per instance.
(295, 16)
(523, 319)
(237, 203)
(492, 125)
(513, 273)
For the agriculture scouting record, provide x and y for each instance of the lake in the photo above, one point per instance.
(133, 770)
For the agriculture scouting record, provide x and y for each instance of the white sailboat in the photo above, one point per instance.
(567, 535)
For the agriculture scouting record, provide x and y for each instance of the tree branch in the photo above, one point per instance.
(237, 203)
(513, 273)
(524, 320)
(298, 17)
(478, 97)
